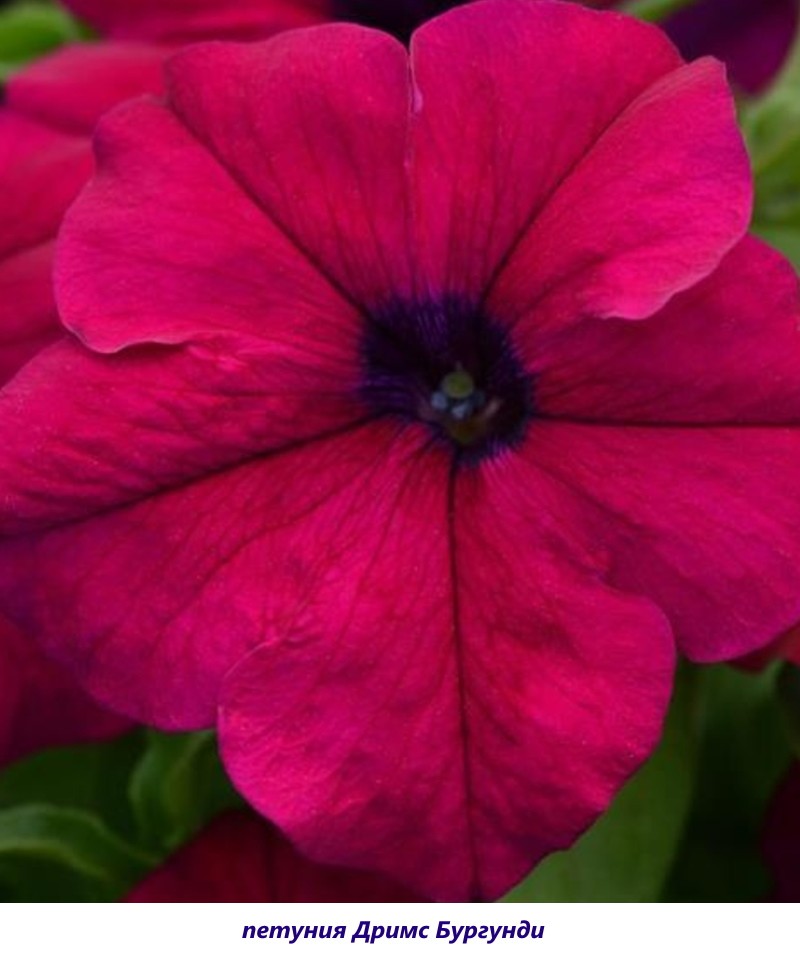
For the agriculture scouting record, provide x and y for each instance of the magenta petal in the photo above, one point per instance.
(70, 89)
(77, 444)
(480, 712)
(184, 20)
(510, 98)
(151, 604)
(726, 351)
(42, 706)
(42, 170)
(28, 320)
(314, 127)
(652, 209)
(703, 520)
(207, 259)
(45, 159)
(238, 858)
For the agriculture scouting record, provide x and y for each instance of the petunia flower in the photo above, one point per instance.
(415, 415)
(238, 858)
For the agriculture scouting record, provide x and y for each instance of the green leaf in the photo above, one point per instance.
(628, 853)
(654, 11)
(744, 753)
(789, 698)
(92, 778)
(49, 853)
(786, 238)
(771, 126)
(178, 786)
(28, 30)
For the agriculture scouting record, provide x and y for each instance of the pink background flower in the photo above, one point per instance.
(238, 858)
(181, 21)
(42, 706)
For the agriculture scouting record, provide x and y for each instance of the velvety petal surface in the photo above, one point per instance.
(477, 697)
(490, 141)
(725, 352)
(652, 209)
(41, 705)
(184, 20)
(151, 603)
(618, 207)
(238, 858)
(314, 127)
(187, 251)
(77, 443)
(701, 520)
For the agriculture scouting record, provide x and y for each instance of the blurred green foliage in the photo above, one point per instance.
(771, 125)
(744, 752)
(654, 11)
(177, 786)
(29, 29)
(87, 823)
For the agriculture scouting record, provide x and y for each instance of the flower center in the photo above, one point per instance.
(451, 367)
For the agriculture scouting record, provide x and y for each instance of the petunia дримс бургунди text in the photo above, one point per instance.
(412, 419)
